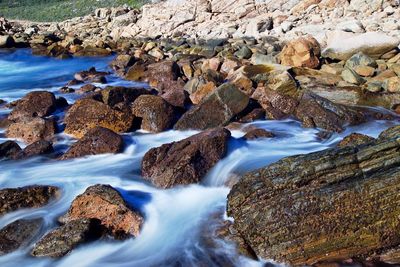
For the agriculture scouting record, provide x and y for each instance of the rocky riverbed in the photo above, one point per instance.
(224, 150)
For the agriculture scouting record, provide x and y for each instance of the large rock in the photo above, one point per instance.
(373, 44)
(302, 52)
(106, 204)
(96, 141)
(19, 234)
(217, 109)
(88, 113)
(187, 161)
(330, 205)
(157, 114)
(65, 238)
(9, 149)
(114, 95)
(12, 199)
(31, 130)
(34, 104)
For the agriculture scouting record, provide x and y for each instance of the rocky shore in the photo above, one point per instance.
(334, 205)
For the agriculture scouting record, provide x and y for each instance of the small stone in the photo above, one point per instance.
(374, 86)
(364, 71)
(257, 134)
(392, 85)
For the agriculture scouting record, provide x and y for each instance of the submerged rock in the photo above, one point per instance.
(187, 161)
(65, 238)
(36, 196)
(106, 204)
(96, 141)
(19, 234)
(329, 205)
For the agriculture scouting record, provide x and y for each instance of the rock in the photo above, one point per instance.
(86, 114)
(87, 88)
(177, 98)
(355, 139)
(19, 234)
(187, 161)
(329, 205)
(104, 203)
(351, 76)
(122, 62)
(360, 59)
(392, 85)
(202, 91)
(12, 199)
(31, 130)
(302, 52)
(374, 86)
(373, 44)
(90, 75)
(96, 141)
(90, 51)
(115, 95)
(34, 104)
(64, 239)
(157, 114)
(364, 71)
(217, 109)
(255, 114)
(9, 149)
(6, 41)
(41, 147)
(258, 133)
(163, 75)
(244, 53)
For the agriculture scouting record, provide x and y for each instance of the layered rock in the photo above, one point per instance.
(330, 205)
(187, 161)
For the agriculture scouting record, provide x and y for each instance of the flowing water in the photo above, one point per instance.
(180, 222)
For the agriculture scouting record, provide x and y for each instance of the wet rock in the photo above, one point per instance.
(66, 90)
(9, 149)
(90, 51)
(96, 141)
(65, 238)
(31, 130)
(186, 161)
(355, 139)
(34, 104)
(255, 114)
(114, 95)
(19, 234)
(87, 88)
(104, 203)
(86, 114)
(157, 114)
(217, 109)
(302, 52)
(257, 134)
(12, 199)
(41, 147)
(122, 62)
(329, 205)
(89, 75)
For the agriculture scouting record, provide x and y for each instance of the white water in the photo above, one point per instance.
(175, 219)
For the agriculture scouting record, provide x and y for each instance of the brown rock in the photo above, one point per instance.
(87, 88)
(114, 95)
(255, 114)
(90, 75)
(215, 110)
(31, 130)
(12, 199)
(90, 51)
(156, 114)
(9, 149)
(34, 104)
(41, 147)
(302, 52)
(186, 161)
(202, 91)
(63, 239)
(258, 133)
(86, 114)
(96, 141)
(163, 75)
(106, 204)
(177, 98)
(355, 139)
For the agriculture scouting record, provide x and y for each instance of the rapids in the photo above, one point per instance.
(179, 223)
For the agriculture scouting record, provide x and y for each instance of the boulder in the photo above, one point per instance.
(88, 113)
(157, 115)
(187, 161)
(34, 104)
(96, 141)
(163, 75)
(12, 199)
(19, 234)
(355, 139)
(41, 147)
(117, 95)
(301, 52)
(177, 98)
(65, 238)
(106, 204)
(9, 149)
(334, 204)
(374, 44)
(217, 109)
(31, 130)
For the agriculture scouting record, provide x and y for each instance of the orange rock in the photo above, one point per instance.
(301, 52)
(202, 92)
